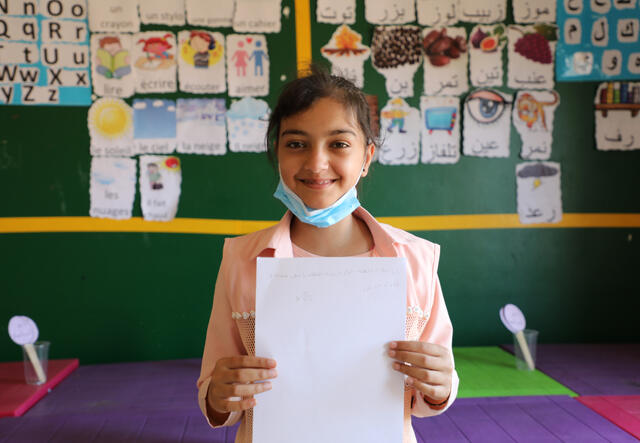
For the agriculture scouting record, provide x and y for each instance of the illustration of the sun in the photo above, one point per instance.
(110, 118)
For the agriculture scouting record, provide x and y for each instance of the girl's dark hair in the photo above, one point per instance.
(299, 94)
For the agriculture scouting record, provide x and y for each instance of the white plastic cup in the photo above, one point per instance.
(531, 340)
(41, 349)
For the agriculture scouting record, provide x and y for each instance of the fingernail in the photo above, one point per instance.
(272, 373)
(272, 363)
(409, 380)
(392, 353)
(267, 386)
(393, 344)
(396, 366)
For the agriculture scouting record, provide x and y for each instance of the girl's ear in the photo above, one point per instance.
(370, 149)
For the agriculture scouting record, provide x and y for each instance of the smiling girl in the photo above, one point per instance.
(321, 137)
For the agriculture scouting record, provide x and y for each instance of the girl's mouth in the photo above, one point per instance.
(315, 183)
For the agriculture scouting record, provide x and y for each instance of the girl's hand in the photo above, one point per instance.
(236, 377)
(428, 367)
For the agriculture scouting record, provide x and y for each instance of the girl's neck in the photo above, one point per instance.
(350, 236)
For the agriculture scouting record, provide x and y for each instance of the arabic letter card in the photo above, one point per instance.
(113, 16)
(201, 126)
(531, 54)
(487, 123)
(201, 13)
(446, 59)
(396, 53)
(154, 61)
(435, 13)
(154, 126)
(257, 16)
(160, 181)
(486, 46)
(617, 109)
(347, 54)
(539, 192)
(440, 127)
(111, 68)
(390, 13)
(336, 12)
(400, 133)
(248, 65)
(201, 68)
(112, 188)
(533, 113)
(110, 122)
(538, 11)
(162, 12)
(247, 121)
(483, 11)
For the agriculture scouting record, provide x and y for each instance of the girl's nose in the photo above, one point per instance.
(317, 160)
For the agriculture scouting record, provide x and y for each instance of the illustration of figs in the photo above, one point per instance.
(489, 44)
(477, 37)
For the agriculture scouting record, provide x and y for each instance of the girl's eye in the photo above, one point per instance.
(295, 144)
(340, 145)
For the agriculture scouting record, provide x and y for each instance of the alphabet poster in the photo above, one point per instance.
(487, 123)
(598, 40)
(347, 54)
(160, 182)
(44, 53)
(539, 193)
(437, 12)
(533, 115)
(617, 108)
(201, 66)
(396, 53)
(201, 126)
(154, 60)
(400, 134)
(200, 13)
(248, 65)
(113, 187)
(336, 11)
(111, 65)
(440, 129)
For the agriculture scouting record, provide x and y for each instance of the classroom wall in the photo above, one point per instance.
(106, 297)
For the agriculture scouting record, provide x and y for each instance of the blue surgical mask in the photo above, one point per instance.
(320, 218)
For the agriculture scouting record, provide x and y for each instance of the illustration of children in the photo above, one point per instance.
(155, 178)
(241, 57)
(397, 115)
(157, 54)
(202, 43)
(112, 60)
(257, 56)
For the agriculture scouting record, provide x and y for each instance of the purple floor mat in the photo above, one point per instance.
(590, 369)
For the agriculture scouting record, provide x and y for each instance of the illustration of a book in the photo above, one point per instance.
(113, 66)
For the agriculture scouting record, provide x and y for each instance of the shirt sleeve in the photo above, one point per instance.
(438, 330)
(223, 338)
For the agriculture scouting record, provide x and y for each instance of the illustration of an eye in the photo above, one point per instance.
(485, 106)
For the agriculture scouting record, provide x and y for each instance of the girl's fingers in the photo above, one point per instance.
(235, 405)
(246, 361)
(420, 347)
(436, 394)
(422, 360)
(247, 375)
(242, 390)
(435, 378)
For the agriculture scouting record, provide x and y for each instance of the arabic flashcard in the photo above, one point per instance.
(435, 13)
(486, 46)
(201, 67)
(539, 192)
(162, 12)
(201, 126)
(617, 108)
(111, 70)
(399, 133)
(154, 61)
(531, 53)
(446, 59)
(160, 181)
(440, 129)
(201, 13)
(112, 188)
(257, 16)
(538, 11)
(154, 126)
(113, 16)
(397, 54)
(247, 121)
(487, 123)
(248, 65)
(533, 114)
(390, 13)
(347, 54)
(110, 122)
(336, 12)
(483, 11)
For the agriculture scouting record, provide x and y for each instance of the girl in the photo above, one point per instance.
(321, 136)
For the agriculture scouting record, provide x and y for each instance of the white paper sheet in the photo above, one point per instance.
(112, 188)
(486, 45)
(201, 13)
(160, 181)
(154, 126)
(487, 123)
(440, 129)
(533, 115)
(445, 71)
(247, 65)
(113, 16)
(326, 322)
(110, 122)
(201, 66)
(396, 53)
(617, 124)
(257, 16)
(336, 11)
(154, 60)
(437, 12)
(534, 11)
(163, 12)
(111, 65)
(247, 121)
(347, 54)
(201, 126)
(397, 12)
(531, 54)
(483, 11)
(539, 192)
(400, 134)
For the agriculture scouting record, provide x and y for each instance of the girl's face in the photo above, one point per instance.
(321, 152)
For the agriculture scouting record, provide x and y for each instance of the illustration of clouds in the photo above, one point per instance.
(158, 104)
(139, 105)
(537, 170)
(171, 109)
(248, 107)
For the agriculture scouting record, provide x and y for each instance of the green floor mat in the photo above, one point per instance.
(488, 371)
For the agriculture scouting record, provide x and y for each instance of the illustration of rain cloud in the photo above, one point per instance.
(247, 121)
(397, 54)
(347, 54)
(538, 192)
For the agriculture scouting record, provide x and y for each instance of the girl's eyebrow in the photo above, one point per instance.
(301, 132)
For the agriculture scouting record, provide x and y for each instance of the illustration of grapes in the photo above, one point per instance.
(534, 45)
